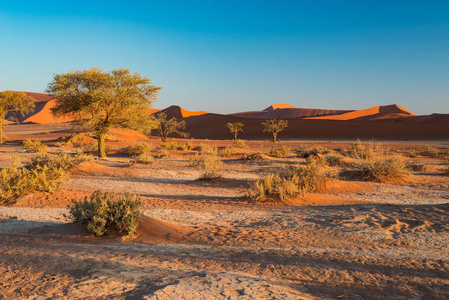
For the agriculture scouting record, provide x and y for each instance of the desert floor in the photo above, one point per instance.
(351, 240)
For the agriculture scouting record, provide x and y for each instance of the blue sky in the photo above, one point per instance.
(227, 56)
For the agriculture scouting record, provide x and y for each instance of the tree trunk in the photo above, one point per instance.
(274, 137)
(235, 136)
(101, 145)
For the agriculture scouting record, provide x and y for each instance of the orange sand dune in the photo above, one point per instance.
(42, 114)
(278, 105)
(376, 112)
(178, 112)
(288, 113)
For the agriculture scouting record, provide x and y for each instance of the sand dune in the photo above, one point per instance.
(178, 112)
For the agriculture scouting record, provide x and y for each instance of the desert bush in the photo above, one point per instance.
(161, 152)
(16, 181)
(92, 147)
(203, 147)
(170, 145)
(144, 158)
(312, 151)
(335, 160)
(226, 151)
(62, 161)
(252, 156)
(67, 144)
(432, 152)
(138, 149)
(446, 169)
(34, 146)
(103, 211)
(282, 152)
(239, 144)
(185, 146)
(289, 181)
(379, 169)
(210, 163)
(195, 160)
(416, 166)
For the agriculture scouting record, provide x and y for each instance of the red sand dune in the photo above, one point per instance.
(212, 126)
(179, 113)
(287, 111)
(376, 112)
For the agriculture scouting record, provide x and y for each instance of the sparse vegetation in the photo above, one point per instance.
(166, 127)
(13, 101)
(239, 144)
(170, 145)
(235, 128)
(103, 212)
(138, 149)
(16, 181)
(288, 182)
(34, 146)
(209, 161)
(446, 169)
(416, 166)
(226, 151)
(144, 158)
(281, 152)
(378, 170)
(62, 161)
(274, 126)
(252, 156)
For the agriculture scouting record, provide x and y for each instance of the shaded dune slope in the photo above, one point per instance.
(212, 126)
(179, 113)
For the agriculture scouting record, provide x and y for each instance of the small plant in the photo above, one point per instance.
(335, 160)
(195, 160)
(226, 151)
(62, 161)
(16, 181)
(161, 152)
(210, 163)
(378, 170)
(138, 149)
(145, 158)
(239, 144)
(252, 156)
(313, 151)
(170, 145)
(103, 211)
(416, 166)
(288, 182)
(185, 146)
(89, 147)
(282, 152)
(432, 152)
(34, 146)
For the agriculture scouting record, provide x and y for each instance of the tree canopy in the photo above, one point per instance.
(103, 100)
(166, 127)
(235, 128)
(13, 101)
(274, 126)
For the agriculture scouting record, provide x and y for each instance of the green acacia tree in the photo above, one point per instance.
(274, 126)
(13, 101)
(166, 127)
(235, 128)
(102, 100)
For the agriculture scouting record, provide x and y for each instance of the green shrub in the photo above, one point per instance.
(138, 149)
(252, 156)
(16, 181)
(239, 144)
(34, 146)
(282, 152)
(103, 211)
(289, 181)
(226, 151)
(378, 170)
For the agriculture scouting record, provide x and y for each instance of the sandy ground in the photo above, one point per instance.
(351, 241)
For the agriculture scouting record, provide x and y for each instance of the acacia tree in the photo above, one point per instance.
(235, 128)
(102, 100)
(13, 101)
(165, 127)
(274, 126)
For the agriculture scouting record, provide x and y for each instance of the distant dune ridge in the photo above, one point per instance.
(379, 122)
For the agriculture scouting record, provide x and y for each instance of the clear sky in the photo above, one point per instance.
(228, 56)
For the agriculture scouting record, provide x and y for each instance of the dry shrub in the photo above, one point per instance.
(252, 156)
(209, 162)
(161, 152)
(368, 151)
(416, 166)
(239, 144)
(446, 169)
(60, 161)
(103, 211)
(92, 147)
(282, 152)
(432, 152)
(34, 146)
(226, 151)
(138, 149)
(335, 160)
(144, 158)
(313, 151)
(170, 145)
(185, 146)
(15, 181)
(289, 181)
(378, 170)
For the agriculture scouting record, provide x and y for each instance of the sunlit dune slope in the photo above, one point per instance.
(373, 113)
(178, 112)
